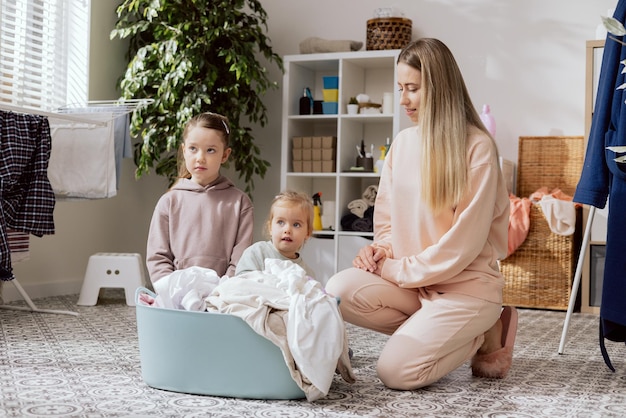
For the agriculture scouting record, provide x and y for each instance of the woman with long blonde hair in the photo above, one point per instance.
(430, 278)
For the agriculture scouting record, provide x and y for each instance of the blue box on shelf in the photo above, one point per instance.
(331, 82)
(330, 108)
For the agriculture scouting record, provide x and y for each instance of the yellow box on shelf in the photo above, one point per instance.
(331, 95)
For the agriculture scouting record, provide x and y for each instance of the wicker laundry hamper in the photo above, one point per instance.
(539, 273)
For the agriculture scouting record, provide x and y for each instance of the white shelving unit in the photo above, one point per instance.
(369, 72)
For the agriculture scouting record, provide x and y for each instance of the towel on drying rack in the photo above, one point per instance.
(82, 160)
(121, 130)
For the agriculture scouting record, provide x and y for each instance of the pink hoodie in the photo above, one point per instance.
(192, 225)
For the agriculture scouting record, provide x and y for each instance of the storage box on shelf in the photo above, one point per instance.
(330, 93)
(330, 108)
(314, 154)
(331, 82)
(350, 73)
(540, 272)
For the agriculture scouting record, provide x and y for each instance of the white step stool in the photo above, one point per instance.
(112, 270)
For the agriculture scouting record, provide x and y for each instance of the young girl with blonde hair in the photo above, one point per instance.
(289, 225)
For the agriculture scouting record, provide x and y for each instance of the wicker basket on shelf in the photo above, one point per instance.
(388, 33)
(539, 273)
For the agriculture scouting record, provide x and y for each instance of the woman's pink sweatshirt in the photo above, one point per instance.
(454, 251)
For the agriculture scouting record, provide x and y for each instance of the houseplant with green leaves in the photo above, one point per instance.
(191, 57)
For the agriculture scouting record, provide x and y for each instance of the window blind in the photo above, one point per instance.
(43, 52)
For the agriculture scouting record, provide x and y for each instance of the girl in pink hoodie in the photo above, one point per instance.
(203, 220)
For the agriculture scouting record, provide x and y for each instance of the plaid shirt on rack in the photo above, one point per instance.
(27, 196)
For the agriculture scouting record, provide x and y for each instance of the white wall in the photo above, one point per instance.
(525, 58)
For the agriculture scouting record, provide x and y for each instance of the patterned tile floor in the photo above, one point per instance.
(89, 366)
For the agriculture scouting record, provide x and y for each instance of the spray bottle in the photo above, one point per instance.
(381, 160)
(317, 211)
(306, 102)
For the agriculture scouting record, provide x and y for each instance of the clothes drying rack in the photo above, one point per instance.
(66, 113)
(40, 112)
(117, 107)
(577, 277)
(31, 305)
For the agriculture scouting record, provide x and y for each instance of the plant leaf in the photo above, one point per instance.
(192, 59)
(613, 26)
